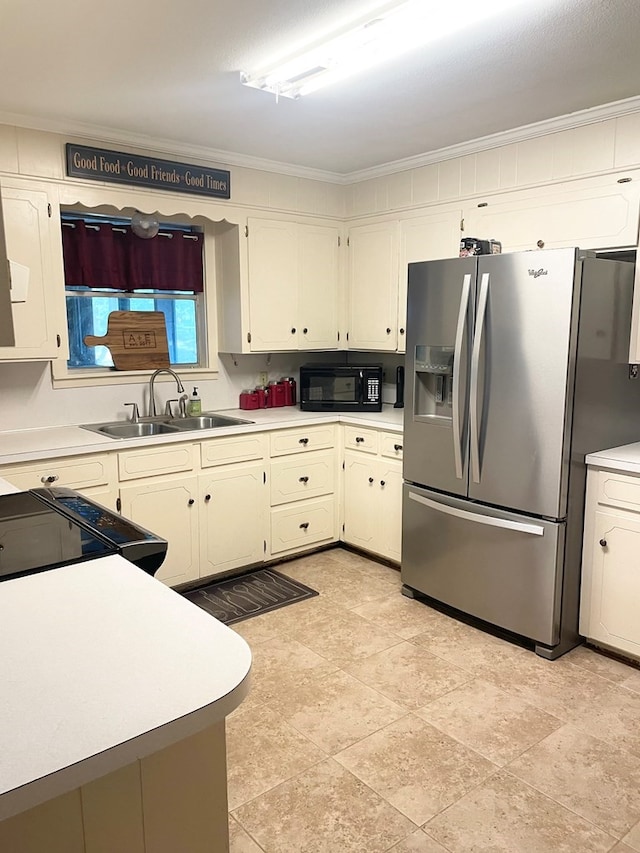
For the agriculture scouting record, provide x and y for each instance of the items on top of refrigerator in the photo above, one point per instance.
(473, 246)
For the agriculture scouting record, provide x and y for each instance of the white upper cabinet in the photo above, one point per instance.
(273, 285)
(7, 338)
(318, 291)
(373, 286)
(424, 238)
(596, 213)
(28, 227)
(284, 294)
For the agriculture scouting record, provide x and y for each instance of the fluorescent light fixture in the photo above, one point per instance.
(393, 29)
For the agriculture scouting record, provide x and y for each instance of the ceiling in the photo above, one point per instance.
(169, 71)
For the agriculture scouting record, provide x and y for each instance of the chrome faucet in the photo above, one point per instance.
(152, 399)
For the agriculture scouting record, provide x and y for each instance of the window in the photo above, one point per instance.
(108, 268)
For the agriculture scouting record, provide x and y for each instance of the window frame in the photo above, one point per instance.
(65, 376)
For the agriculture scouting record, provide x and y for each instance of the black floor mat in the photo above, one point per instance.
(261, 591)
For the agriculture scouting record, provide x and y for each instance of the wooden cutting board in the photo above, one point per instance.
(137, 340)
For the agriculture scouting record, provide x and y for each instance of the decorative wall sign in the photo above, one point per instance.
(106, 165)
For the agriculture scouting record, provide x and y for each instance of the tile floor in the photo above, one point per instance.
(378, 724)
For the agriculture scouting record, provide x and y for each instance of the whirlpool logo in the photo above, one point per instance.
(538, 273)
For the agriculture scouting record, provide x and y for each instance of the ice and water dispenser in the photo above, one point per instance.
(433, 382)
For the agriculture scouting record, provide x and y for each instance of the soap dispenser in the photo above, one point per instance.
(194, 406)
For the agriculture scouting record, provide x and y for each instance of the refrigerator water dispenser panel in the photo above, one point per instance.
(433, 383)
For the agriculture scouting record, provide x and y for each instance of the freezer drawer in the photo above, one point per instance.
(497, 566)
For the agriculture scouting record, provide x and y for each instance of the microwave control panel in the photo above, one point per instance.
(373, 390)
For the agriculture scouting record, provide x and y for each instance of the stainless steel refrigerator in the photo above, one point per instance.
(516, 367)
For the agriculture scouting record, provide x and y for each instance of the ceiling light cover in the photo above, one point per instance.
(394, 29)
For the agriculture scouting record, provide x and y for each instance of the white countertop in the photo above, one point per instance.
(100, 665)
(28, 445)
(624, 458)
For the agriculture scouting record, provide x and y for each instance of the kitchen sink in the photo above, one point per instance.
(207, 422)
(163, 426)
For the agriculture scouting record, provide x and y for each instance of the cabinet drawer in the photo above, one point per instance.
(235, 448)
(391, 445)
(74, 472)
(302, 525)
(168, 459)
(302, 440)
(621, 490)
(294, 478)
(357, 438)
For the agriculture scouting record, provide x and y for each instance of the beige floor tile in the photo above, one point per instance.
(554, 686)
(632, 839)
(262, 752)
(323, 810)
(239, 840)
(281, 664)
(336, 711)
(465, 646)
(342, 584)
(593, 779)
(418, 842)
(256, 630)
(600, 664)
(503, 815)
(401, 615)
(416, 767)
(343, 637)
(408, 674)
(622, 848)
(613, 716)
(633, 682)
(489, 721)
(286, 620)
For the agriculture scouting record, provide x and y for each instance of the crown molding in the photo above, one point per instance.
(171, 147)
(616, 109)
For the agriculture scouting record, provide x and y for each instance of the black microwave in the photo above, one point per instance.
(341, 387)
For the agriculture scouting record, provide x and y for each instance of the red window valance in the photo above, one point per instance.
(113, 256)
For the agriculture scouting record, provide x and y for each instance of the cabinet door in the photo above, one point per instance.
(425, 238)
(361, 497)
(28, 238)
(273, 285)
(591, 214)
(318, 304)
(615, 583)
(170, 509)
(389, 482)
(7, 337)
(373, 286)
(233, 506)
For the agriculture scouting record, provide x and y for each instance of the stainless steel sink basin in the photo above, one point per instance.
(130, 430)
(207, 422)
(162, 426)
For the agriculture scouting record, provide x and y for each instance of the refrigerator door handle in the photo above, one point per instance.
(474, 419)
(520, 527)
(457, 355)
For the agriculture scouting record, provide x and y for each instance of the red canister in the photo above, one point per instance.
(289, 384)
(249, 399)
(261, 391)
(275, 395)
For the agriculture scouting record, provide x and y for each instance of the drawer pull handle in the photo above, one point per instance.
(50, 479)
(397, 447)
(305, 330)
(359, 439)
(603, 542)
(293, 331)
(382, 483)
(304, 525)
(191, 501)
(388, 330)
(402, 331)
(303, 479)
(303, 441)
(371, 479)
(207, 497)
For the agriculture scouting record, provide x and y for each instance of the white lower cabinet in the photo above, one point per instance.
(372, 494)
(611, 562)
(233, 512)
(169, 507)
(302, 487)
